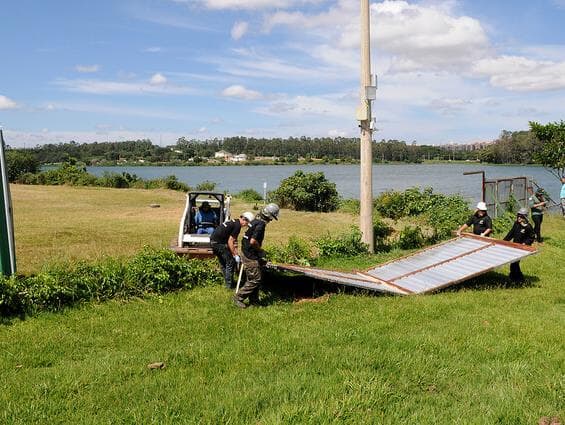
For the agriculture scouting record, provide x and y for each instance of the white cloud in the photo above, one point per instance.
(247, 4)
(153, 49)
(121, 87)
(158, 80)
(239, 29)
(87, 69)
(24, 138)
(518, 73)
(7, 103)
(240, 92)
(335, 105)
(417, 37)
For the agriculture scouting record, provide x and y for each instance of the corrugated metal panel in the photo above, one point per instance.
(429, 269)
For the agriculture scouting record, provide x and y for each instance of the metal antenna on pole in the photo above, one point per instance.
(366, 125)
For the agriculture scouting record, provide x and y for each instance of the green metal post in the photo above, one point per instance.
(7, 246)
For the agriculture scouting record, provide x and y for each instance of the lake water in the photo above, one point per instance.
(444, 178)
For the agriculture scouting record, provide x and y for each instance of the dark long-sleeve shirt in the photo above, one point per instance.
(523, 234)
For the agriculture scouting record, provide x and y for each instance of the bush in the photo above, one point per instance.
(381, 231)
(62, 285)
(249, 195)
(444, 213)
(73, 174)
(347, 244)
(410, 238)
(502, 224)
(307, 192)
(296, 251)
(20, 163)
(116, 180)
(206, 186)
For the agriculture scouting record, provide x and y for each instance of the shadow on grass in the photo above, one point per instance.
(493, 280)
(287, 287)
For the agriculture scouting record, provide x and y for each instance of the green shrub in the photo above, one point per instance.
(502, 224)
(66, 284)
(10, 298)
(347, 244)
(71, 173)
(307, 192)
(20, 163)
(447, 216)
(206, 185)
(162, 271)
(296, 251)
(249, 195)
(116, 180)
(381, 231)
(410, 238)
(444, 213)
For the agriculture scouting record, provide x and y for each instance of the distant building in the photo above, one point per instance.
(239, 158)
(223, 155)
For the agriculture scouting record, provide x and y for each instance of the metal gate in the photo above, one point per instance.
(501, 195)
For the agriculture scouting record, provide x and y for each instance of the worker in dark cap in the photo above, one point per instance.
(224, 240)
(537, 203)
(253, 255)
(522, 232)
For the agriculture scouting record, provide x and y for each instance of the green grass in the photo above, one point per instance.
(485, 352)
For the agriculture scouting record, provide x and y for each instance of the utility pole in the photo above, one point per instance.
(368, 93)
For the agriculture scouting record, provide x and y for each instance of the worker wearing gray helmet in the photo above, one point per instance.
(522, 232)
(223, 242)
(253, 255)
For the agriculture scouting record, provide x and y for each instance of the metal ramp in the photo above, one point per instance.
(427, 270)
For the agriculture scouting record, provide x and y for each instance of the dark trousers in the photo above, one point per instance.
(537, 219)
(253, 275)
(227, 262)
(515, 272)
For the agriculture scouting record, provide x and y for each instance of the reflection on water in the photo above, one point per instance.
(444, 178)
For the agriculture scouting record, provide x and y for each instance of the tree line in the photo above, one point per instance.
(516, 147)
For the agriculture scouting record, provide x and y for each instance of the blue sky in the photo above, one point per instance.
(449, 71)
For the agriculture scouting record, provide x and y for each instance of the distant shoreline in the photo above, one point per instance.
(303, 163)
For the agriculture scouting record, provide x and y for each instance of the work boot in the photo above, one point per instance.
(239, 303)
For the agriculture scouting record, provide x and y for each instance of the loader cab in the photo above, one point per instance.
(188, 236)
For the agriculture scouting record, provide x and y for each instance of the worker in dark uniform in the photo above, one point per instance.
(522, 232)
(253, 256)
(223, 244)
(537, 203)
(481, 222)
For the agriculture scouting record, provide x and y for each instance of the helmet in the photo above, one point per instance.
(248, 215)
(523, 212)
(482, 206)
(270, 211)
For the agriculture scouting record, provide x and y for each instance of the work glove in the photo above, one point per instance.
(237, 259)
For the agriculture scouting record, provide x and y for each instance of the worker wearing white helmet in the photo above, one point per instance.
(253, 256)
(480, 220)
(223, 244)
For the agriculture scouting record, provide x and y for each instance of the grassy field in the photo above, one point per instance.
(484, 352)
